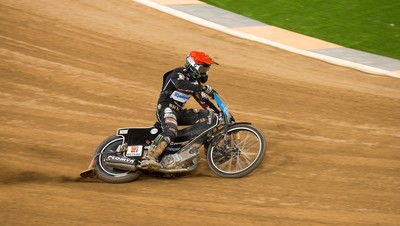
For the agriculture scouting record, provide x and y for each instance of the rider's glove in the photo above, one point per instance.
(208, 90)
(203, 97)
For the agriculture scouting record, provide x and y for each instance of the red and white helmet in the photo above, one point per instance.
(198, 64)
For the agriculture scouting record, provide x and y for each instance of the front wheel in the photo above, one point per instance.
(109, 174)
(239, 154)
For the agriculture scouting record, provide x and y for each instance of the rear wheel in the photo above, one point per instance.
(109, 174)
(239, 154)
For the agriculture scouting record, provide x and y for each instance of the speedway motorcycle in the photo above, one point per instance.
(233, 149)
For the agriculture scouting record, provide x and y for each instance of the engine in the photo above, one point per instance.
(182, 159)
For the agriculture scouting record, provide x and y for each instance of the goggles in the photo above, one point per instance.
(201, 68)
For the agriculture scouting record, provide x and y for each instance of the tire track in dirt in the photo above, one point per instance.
(72, 72)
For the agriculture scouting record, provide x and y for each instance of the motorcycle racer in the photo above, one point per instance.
(233, 149)
(179, 85)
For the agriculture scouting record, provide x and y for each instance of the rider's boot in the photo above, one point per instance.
(155, 150)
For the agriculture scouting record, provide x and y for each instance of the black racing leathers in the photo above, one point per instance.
(178, 87)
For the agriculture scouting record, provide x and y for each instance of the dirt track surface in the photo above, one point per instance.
(72, 72)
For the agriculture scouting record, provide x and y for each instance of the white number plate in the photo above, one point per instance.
(134, 151)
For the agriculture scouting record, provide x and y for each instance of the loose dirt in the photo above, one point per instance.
(72, 72)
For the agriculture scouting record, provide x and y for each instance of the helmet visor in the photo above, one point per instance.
(203, 69)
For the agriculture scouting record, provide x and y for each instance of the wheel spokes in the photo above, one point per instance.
(240, 152)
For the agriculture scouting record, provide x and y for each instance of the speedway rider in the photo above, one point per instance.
(178, 86)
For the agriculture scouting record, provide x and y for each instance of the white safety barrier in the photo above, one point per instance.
(329, 59)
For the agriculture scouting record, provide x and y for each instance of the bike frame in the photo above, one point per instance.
(199, 140)
(221, 124)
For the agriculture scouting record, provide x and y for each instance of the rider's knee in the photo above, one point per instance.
(170, 132)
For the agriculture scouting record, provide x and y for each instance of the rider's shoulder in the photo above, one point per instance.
(178, 71)
(181, 70)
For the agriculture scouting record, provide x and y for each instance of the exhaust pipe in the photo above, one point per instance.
(121, 166)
